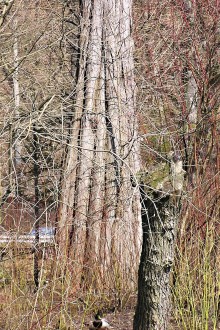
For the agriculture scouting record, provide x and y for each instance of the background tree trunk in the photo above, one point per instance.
(99, 223)
(36, 172)
(16, 143)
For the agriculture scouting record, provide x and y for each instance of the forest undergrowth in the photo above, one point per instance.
(58, 304)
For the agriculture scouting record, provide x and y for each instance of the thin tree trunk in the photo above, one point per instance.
(36, 156)
(192, 101)
(16, 91)
(99, 207)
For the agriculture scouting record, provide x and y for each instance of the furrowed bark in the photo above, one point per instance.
(98, 203)
(161, 198)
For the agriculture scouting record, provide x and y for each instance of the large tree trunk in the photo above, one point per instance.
(160, 193)
(99, 224)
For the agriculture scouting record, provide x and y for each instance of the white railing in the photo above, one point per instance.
(29, 239)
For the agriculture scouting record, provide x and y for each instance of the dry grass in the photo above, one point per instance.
(58, 304)
(196, 289)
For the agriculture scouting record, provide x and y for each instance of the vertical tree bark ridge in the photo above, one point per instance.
(161, 196)
(120, 110)
(70, 181)
(99, 211)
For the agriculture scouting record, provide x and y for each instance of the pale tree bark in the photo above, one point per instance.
(16, 91)
(16, 98)
(99, 225)
(161, 194)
